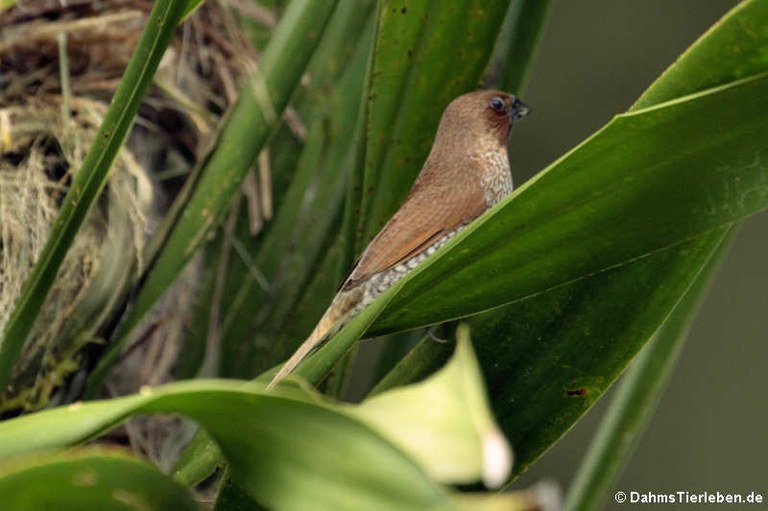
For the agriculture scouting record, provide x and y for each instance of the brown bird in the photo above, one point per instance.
(466, 173)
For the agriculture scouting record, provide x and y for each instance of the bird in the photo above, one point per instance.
(466, 173)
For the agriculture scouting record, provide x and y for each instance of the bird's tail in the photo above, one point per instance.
(340, 310)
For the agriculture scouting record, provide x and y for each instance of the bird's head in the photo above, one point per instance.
(485, 116)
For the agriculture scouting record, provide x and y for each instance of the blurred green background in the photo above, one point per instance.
(595, 58)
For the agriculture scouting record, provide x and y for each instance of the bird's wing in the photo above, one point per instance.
(422, 220)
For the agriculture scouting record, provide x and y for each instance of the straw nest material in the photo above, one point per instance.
(60, 63)
(40, 150)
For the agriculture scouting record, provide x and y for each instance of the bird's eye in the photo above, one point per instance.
(497, 104)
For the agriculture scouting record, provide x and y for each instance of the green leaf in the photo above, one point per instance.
(287, 451)
(90, 478)
(286, 448)
(636, 398)
(192, 6)
(91, 177)
(468, 445)
(713, 60)
(516, 47)
(444, 425)
(199, 459)
(540, 356)
(249, 124)
(733, 49)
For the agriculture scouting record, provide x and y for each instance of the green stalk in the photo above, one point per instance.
(638, 395)
(91, 178)
(520, 34)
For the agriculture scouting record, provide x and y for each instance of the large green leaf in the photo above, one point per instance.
(101, 479)
(289, 450)
(633, 405)
(549, 358)
(442, 423)
(91, 177)
(284, 449)
(636, 398)
(734, 48)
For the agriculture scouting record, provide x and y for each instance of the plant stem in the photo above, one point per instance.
(516, 45)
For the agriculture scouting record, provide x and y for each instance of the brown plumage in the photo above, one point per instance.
(466, 172)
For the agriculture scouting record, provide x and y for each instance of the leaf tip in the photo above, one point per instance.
(497, 459)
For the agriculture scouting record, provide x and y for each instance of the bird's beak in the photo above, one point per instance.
(517, 110)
